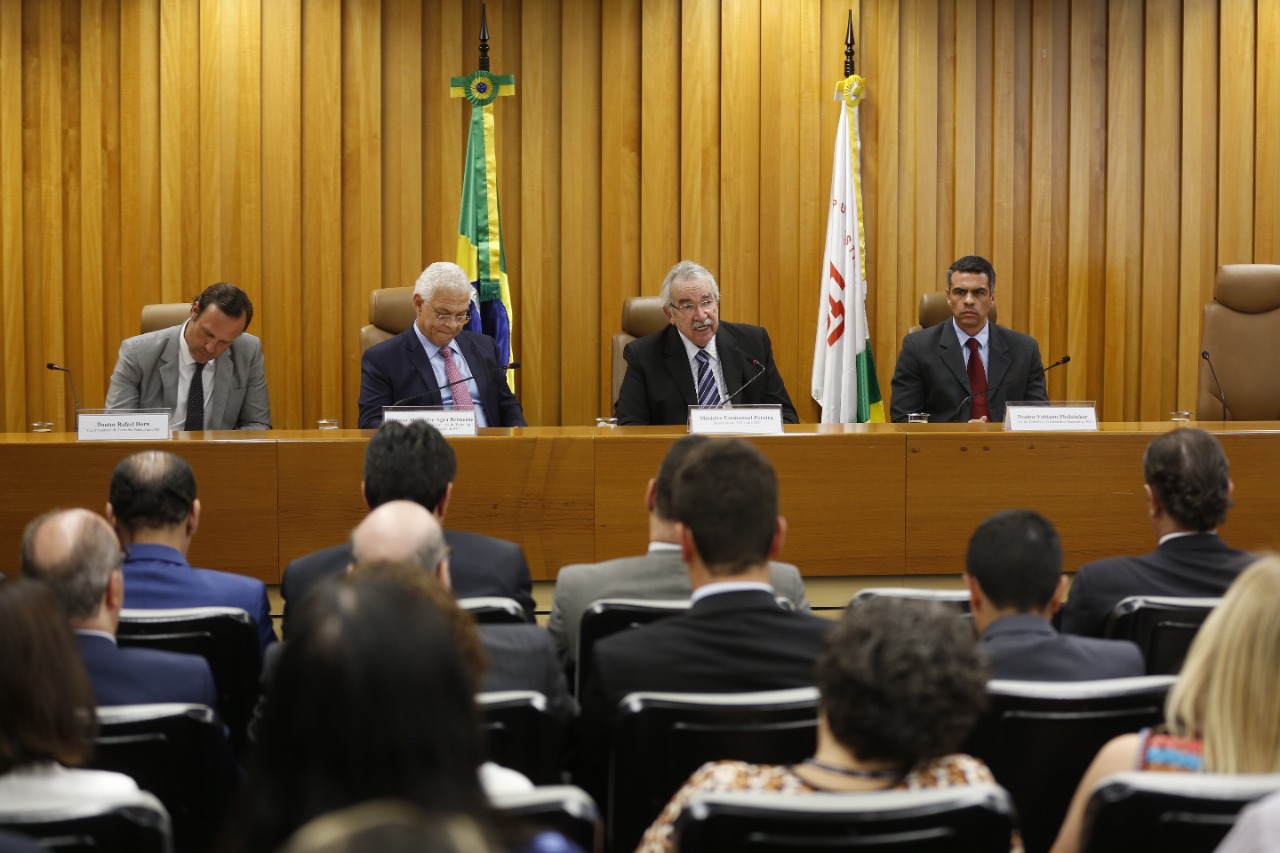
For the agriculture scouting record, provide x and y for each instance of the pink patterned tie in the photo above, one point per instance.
(461, 396)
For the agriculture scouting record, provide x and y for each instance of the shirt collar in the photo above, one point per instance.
(729, 586)
(691, 349)
(1178, 534)
(94, 632)
(430, 348)
(983, 334)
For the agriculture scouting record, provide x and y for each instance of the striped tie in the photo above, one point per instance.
(708, 394)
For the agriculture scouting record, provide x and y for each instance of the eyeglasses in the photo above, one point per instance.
(456, 318)
(687, 308)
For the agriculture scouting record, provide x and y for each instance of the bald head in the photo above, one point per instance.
(75, 551)
(399, 531)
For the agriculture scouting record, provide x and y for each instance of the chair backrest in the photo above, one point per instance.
(522, 733)
(972, 819)
(1187, 812)
(658, 739)
(163, 315)
(934, 309)
(566, 809)
(390, 313)
(1162, 626)
(641, 315)
(607, 616)
(494, 610)
(957, 598)
(1038, 738)
(178, 752)
(134, 822)
(1241, 331)
(227, 637)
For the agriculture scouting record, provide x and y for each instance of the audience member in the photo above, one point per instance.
(76, 553)
(1015, 585)
(902, 683)
(390, 826)
(1256, 830)
(659, 574)
(155, 512)
(414, 462)
(1221, 714)
(1188, 490)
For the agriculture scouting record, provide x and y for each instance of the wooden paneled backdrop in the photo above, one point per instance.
(1106, 156)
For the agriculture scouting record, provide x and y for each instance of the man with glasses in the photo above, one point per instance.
(436, 361)
(697, 360)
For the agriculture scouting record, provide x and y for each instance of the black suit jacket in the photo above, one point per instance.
(1199, 565)
(931, 375)
(134, 676)
(398, 368)
(658, 387)
(1026, 647)
(478, 566)
(523, 657)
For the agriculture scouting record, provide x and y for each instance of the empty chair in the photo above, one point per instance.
(1039, 737)
(1162, 626)
(608, 616)
(958, 598)
(522, 734)
(1241, 331)
(1187, 812)
(136, 823)
(565, 809)
(972, 819)
(494, 610)
(390, 313)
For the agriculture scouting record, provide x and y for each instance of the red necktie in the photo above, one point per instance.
(461, 396)
(977, 382)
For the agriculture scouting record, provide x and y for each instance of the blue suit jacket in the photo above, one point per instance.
(133, 676)
(1027, 648)
(158, 577)
(399, 368)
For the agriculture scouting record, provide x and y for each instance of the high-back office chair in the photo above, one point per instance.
(607, 616)
(969, 819)
(1187, 812)
(136, 822)
(163, 315)
(521, 733)
(566, 809)
(494, 610)
(957, 598)
(390, 313)
(641, 315)
(1162, 626)
(1241, 332)
(1038, 738)
(934, 309)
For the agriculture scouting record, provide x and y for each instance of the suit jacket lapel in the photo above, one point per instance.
(169, 369)
(417, 357)
(222, 385)
(952, 356)
(997, 357)
(678, 365)
(477, 365)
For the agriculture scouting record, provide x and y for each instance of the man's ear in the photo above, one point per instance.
(114, 594)
(651, 495)
(1154, 507)
(1055, 603)
(779, 537)
(687, 546)
(193, 520)
(442, 574)
(976, 601)
(443, 506)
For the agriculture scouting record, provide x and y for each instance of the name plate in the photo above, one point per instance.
(123, 425)
(448, 421)
(764, 419)
(1051, 417)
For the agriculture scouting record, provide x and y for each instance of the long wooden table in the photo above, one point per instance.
(870, 499)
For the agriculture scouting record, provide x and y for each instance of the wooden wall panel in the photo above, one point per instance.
(1106, 156)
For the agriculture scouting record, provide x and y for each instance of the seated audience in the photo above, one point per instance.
(902, 683)
(155, 512)
(390, 826)
(76, 553)
(1015, 584)
(1221, 714)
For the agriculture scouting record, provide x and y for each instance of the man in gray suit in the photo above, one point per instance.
(660, 574)
(209, 354)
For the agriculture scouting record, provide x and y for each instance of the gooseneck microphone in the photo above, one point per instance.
(1036, 372)
(75, 398)
(760, 371)
(499, 369)
(1222, 397)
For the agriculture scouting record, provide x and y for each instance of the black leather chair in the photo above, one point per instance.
(970, 819)
(608, 616)
(1162, 626)
(494, 610)
(562, 808)
(1187, 812)
(957, 598)
(522, 734)
(1038, 738)
(659, 739)
(136, 823)
(227, 637)
(181, 754)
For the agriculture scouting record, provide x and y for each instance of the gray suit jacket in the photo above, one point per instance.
(654, 577)
(146, 377)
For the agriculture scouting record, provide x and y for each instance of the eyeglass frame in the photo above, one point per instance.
(442, 317)
(687, 310)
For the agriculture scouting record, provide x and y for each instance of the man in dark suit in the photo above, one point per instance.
(1015, 580)
(697, 360)
(412, 461)
(435, 362)
(1188, 488)
(936, 372)
(77, 554)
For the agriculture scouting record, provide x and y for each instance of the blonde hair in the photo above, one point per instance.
(1230, 684)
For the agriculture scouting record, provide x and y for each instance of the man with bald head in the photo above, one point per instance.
(402, 532)
(76, 553)
(155, 512)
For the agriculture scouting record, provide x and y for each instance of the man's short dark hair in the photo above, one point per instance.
(80, 577)
(151, 490)
(726, 493)
(408, 461)
(1016, 558)
(974, 264)
(1188, 472)
(230, 300)
(665, 484)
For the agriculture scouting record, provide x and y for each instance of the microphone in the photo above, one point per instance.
(761, 372)
(499, 369)
(74, 396)
(1222, 397)
(1037, 371)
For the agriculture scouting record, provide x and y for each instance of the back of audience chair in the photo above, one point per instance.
(976, 819)
(136, 823)
(659, 739)
(1162, 626)
(1038, 738)
(608, 616)
(1187, 812)
(494, 610)
(522, 734)
(561, 808)
(957, 598)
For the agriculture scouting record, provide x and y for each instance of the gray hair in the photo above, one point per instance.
(442, 277)
(688, 271)
(80, 574)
